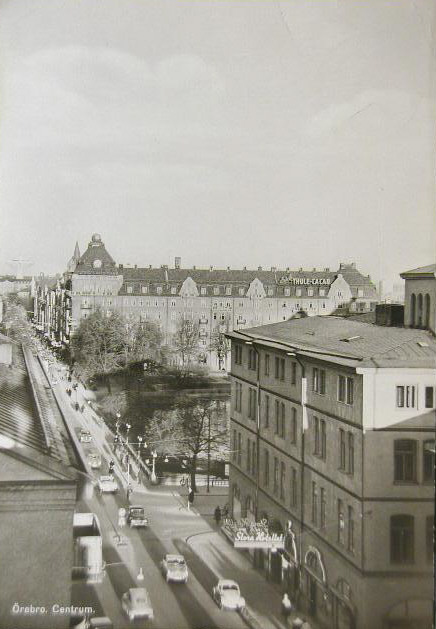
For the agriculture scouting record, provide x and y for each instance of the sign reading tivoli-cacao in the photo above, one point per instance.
(305, 281)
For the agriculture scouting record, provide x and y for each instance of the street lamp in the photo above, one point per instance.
(153, 471)
(139, 446)
(128, 427)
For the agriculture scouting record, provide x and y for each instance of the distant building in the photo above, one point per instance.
(420, 299)
(37, 495)
(333, 445)
(215, 299)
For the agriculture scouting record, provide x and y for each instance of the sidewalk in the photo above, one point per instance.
(263, 598)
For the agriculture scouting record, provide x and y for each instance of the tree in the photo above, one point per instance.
(15, 323)
(195, 428)
(219, 344)
(98, 345)
(186, 341)
(147, 341)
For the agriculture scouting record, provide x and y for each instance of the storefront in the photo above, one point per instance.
(314, 589)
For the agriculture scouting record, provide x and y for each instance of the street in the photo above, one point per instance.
(170, 523)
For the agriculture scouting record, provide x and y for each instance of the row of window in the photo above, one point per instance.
(345, 525)
(407, 396)
(406, 460)
(402, 535)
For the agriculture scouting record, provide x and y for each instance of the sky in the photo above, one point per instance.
(288, 133)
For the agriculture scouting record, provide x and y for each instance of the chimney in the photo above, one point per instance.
(353, 265)
(301, 269)
(287, 269)
(228, 268)
(273, 269)
(327, 269)
(245, 268)
(194, 267)
(314, 269)
(136, 266)
(259, 268)
(150, 266)
(211, 268)
(177, 262)
(120, 266)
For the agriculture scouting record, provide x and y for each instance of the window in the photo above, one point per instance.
(266, 411)
(350, 536)
(314, 504)
(266, 364)
(130, 289)
(404, 460)
(282, 420)
(287, 292)
(282, 480)
(298, 293)
(294, 373)
(429, 542)
(228, 290)
(345, 390)
(293, 425)
(282, 369)
(270, 292)
(252, 403)
(322, 292)
(252, 359)
(277, 416)
(406, 397)
(428, 461)
(144, 290)
(315, 379)
(323, 440)
(216, 290)
(159, 290)
(310, 292)
(173, 290)
(323, 509)
(276, 475)
(248, 455)
(316, 449)
(238, 397)
(321, 382)
(350, 453)
(238, 354)
(239, 448)
(266, 469)
(293, 487)
(234, 447)
(341, 522)
(253, 459)
(203, 290)
(277, 367)
(341, 449)
(402, 539)
(429, 397)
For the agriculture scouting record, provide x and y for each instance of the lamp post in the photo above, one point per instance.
(139, 446)
(153, 469)
(128, 427)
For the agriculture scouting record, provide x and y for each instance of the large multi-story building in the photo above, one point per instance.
(332, 443)
(216, 299)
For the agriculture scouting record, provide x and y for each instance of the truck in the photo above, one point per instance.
(88, 548)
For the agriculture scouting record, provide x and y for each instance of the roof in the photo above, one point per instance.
(96, 260)
(423, 270)
(348, 341)
(31, 427)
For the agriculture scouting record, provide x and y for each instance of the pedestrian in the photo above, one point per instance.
(111, 466)
(217, 514)
(190, 498)
(286, 605)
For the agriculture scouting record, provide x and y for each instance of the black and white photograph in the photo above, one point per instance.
(217, 314)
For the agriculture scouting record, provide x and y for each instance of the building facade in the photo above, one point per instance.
(216, 300)
(420, 299)
(332, 444)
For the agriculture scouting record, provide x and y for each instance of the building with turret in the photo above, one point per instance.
(215, 299)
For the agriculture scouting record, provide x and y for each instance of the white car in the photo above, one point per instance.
(85, 436)
(94, 459)
(227, 595)
(107, 484)
(136, 603)
(174, 568)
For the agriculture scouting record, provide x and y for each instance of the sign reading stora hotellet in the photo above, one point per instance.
(249, 534)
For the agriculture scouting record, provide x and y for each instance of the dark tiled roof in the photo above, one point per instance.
(96, 251)
(352, 339)
(30, 422)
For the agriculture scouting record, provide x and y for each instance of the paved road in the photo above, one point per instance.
(176, 606)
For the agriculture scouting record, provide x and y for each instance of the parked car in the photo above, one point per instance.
(107, 484)
(227, 595)
(85, 436)
(136, 603)
(174, 568)
(136, 516)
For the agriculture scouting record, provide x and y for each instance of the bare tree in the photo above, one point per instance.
(186, 341)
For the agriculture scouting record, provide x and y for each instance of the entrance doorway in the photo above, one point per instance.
(312, 590)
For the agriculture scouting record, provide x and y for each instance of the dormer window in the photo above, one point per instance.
(130, 289)
(97, 264)
(298, 292)
(159, 290)
(203, 290)
(144, 290)
(173, 290)
(228, 290)
(241, 292)
(216, 290)
(287, 291)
